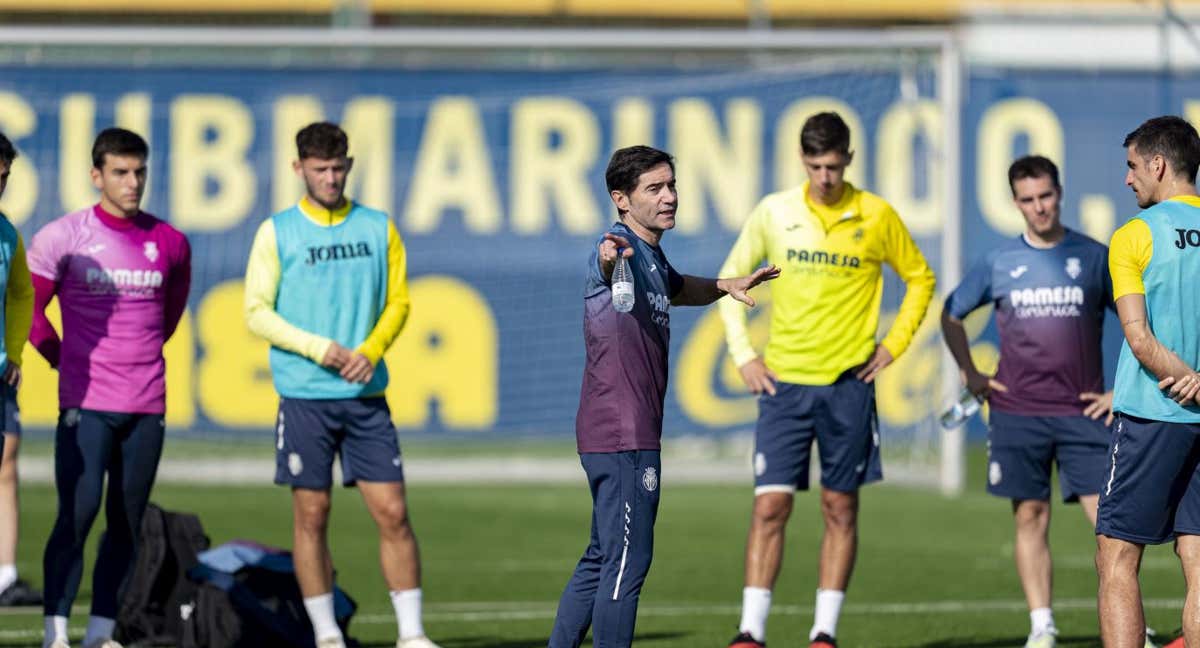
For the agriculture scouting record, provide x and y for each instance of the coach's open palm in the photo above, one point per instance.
(739, 288)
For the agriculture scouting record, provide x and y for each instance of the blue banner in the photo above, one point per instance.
(495, 180)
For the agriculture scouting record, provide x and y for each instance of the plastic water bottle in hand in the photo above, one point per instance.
(622, 285)
(962, 409)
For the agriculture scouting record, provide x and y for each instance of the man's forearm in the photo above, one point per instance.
(264, 322)
(1158, 359)
(699, 291)
(955, 335)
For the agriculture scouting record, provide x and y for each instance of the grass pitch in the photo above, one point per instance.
(932, 572)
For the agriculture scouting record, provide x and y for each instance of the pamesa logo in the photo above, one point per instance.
(819, 257)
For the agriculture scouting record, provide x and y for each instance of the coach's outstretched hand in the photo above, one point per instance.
(739, 287)
(610, 247)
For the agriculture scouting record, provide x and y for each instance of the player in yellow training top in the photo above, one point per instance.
(817, 380)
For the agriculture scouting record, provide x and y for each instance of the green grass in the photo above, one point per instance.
(496, 558)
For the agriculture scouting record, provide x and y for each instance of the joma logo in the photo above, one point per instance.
(1187, 238)
(337, 252)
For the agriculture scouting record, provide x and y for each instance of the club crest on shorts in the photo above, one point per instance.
(150, 249)
(994, 474)
(71, 417)
(295, 464)
(650, 479)
(1074, 268)
(760, 464)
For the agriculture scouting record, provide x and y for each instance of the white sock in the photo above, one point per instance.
(98, 629)
(756, 604)
(829, 608)
(1040, 620)
(8, 576)
(407, 604)
(56, 628)
(320, 613)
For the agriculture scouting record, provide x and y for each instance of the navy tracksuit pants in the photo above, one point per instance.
(603, 592)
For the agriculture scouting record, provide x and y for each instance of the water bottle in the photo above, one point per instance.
(961, 410)
(622, 285)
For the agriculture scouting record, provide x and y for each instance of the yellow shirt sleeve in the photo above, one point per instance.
(395, 311)
(903, 255)
(748, 251)
(1129, 253)
(262, 285)
(18, 305)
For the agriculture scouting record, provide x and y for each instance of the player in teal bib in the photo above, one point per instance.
(1172, 308)
(344, 273)
(326, 286)
(1151, 492)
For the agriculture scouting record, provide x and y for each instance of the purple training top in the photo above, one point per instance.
(121, 285)
(625, 376)
(1050, 315)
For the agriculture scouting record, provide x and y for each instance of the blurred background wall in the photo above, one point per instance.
(484, 127)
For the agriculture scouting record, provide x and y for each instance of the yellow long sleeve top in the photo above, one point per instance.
(18, 304)
(263, 271)
(825, 304)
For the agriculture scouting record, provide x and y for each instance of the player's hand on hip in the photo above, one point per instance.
(758, 377)
(12, 375)
(336, 356)
(1100, 405)
(982, 385)
(612, 246)
(739, 288)
(880, 359)
(358, 369)
(1185, 390)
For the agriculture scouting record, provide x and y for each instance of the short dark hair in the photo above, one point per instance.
(322, 140)
(825, 132)
(118, 141)
(628, 164)
(8, 152)
(1032, 166)
(1171, 137)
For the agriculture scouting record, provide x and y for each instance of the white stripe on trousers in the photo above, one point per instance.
(624, 554)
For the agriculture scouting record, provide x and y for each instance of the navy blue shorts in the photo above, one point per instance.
(1151, 490)
(10, 413)
(309, 432)
(840, 417)
(1021, 450)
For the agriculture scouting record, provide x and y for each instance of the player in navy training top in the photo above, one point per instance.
(1050, 288)
(619, 423)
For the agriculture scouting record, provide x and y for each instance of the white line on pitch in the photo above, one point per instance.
(480, 611)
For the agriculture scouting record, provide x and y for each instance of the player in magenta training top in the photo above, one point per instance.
(122, 279)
